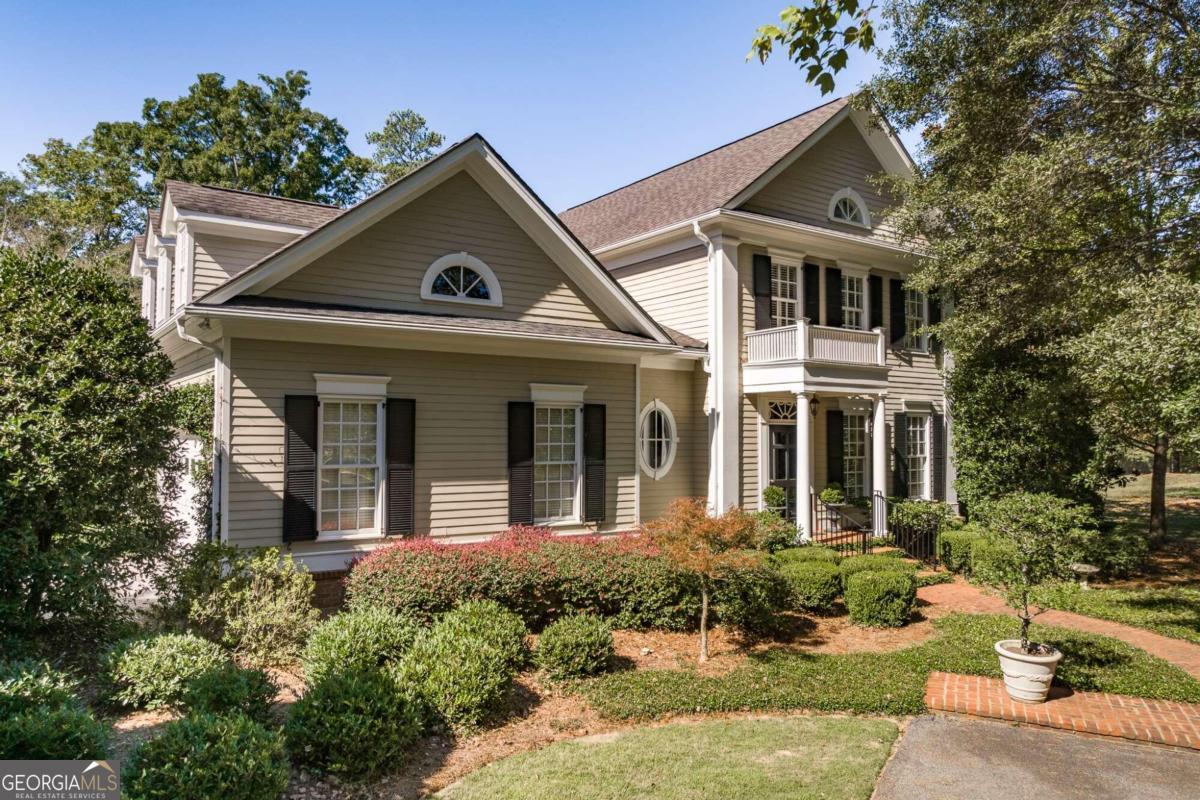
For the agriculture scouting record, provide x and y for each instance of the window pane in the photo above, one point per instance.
(554, 462)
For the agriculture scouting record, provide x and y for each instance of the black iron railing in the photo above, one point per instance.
(833, 528)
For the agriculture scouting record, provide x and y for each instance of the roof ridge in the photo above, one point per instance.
(710, 151)
(257, 194)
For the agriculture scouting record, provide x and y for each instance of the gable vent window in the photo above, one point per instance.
(461, 278)
(847, 207)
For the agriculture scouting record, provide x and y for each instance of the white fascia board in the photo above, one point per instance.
(884, 143)
(239, 228)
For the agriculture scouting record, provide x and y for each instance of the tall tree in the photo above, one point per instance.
(404, 143)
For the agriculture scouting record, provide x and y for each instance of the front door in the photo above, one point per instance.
(783, 465)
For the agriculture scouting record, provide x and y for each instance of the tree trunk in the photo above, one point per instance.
(1158, 488)
(703, 622)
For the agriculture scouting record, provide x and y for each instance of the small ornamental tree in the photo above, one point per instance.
(705, 546)
(1032, 540)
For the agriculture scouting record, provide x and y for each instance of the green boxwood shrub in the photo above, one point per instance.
(750, 598)
(205, 756)
(27, 684)
(773, 531)
(806, 553)
(874, 563)
(359, 639)
(574, 647)
(814, 585)
(231, 689)
(154, 671)
(357, 724)
(954, 547)
(489, 623)
(63, 731)
(880, 599)
(988, 555)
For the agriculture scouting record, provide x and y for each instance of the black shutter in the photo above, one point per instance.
(762, 292)
(896, 307)
(401, 463)
(812, 293)
(593, 463)
(935, 316)
(520, 463)
(833, 297)
(300, 468)
(875, 298)
(938, 455)
(899, 450)
(834, 425)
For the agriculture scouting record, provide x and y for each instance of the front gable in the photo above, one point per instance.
(802, 191)
(384, 266)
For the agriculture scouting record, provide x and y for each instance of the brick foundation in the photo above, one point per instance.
(330, 593)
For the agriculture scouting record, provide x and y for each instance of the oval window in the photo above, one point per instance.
(659, 439)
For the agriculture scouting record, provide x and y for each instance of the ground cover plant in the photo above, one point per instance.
(1173, 611)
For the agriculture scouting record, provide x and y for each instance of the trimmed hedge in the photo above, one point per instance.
(806, 553)
(954, 547)
(814, 585)
(52, 732)
(358, 639)
(574, 647)
(880, 599)
(26, 684)
(232, 689)
(357, 724)
(749, 599)
(208, 756)
(154, 671)
(874, 563)
(488, 622)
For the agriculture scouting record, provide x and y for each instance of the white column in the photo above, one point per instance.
(724, 346)
(803, 466)
(879, 455)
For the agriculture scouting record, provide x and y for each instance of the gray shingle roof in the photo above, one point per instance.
(249, 205)
(683, 340)
(701, 184)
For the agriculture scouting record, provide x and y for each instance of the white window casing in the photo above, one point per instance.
(557, 463)
(350, 448)
(461, 278)
(854, 454)
(916, 317)
(848, 208)
(917, 452)
(785, 293)
(658, 439)
(854, 301)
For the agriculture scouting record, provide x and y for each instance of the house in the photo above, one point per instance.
(449, 357)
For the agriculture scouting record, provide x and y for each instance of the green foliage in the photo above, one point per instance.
(806, 552)
(884, 683)
(954, 547)
(1174, 611)
(194, 416)
(814, 585)
(774, 498)
(262, 609)
(356, 723)
(52, 732)
(880, 599)
(1118, 550)
(85, 434)
(231, 689)
(403, 144)
(26, 684)
(490, 624)
(873, 563)
(750, 596)
(575, 647)
(920, 515)
(816, 39)
(205, 756)
(833, 494)
(190, 575)
(153, 672)
(773, 531)
(357, 640)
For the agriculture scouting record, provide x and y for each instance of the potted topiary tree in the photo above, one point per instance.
(1031, 541)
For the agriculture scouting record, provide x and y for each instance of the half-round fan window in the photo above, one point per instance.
(461, 278)
(847, 207)
(658, 439)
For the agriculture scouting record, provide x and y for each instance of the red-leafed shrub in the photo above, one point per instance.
(529, 571)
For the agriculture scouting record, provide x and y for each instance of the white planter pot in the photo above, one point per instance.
(1026, 677)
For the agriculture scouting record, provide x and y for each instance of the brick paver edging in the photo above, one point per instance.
(1135, 718)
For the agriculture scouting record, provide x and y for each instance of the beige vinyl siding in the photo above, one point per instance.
(802, 191)
(751, 419)
(383, 266)
(190, 362)
(219, 258)
(677, 390)
(673, 289)
(461, 431)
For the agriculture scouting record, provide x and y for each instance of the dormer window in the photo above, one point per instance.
(847, 207)
(461, 278)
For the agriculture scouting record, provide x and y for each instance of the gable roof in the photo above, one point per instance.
(703, 183)
(248, 205)
(477, 157)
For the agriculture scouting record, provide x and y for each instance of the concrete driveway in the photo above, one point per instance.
(943, 758)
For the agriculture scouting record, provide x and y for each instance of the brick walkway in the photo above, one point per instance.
(962, 596)
(1154, 721)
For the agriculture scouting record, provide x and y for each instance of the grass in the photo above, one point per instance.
(885, 683)
(1173, 612)
(802, 757)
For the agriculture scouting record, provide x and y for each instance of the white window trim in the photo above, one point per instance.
(333, 388)
(864, 309)
(661, 472)
(798, 300)
(576, 517)
(921, 342)
(854, 197)
(557, 394)
(864, 459)
(926, 416)
(464, 259)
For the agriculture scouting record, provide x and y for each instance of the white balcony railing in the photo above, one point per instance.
(806, 342)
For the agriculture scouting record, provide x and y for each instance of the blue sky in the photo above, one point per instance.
(579, 98)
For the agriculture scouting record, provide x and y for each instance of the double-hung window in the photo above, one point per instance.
(917, 454)
(854, 454)
(785, 294)
(852, 301)
(915, 318)
(350, 465)
(557, 440)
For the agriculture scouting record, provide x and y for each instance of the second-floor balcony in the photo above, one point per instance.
(819, 355)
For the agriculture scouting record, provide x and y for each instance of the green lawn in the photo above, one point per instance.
(886, 683)
(804, 757)
(1172, 612)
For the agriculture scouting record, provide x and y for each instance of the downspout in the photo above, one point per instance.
(217, 454)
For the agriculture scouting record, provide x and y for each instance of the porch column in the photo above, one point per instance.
(725, 466)
(879, 456)
(803, 466)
